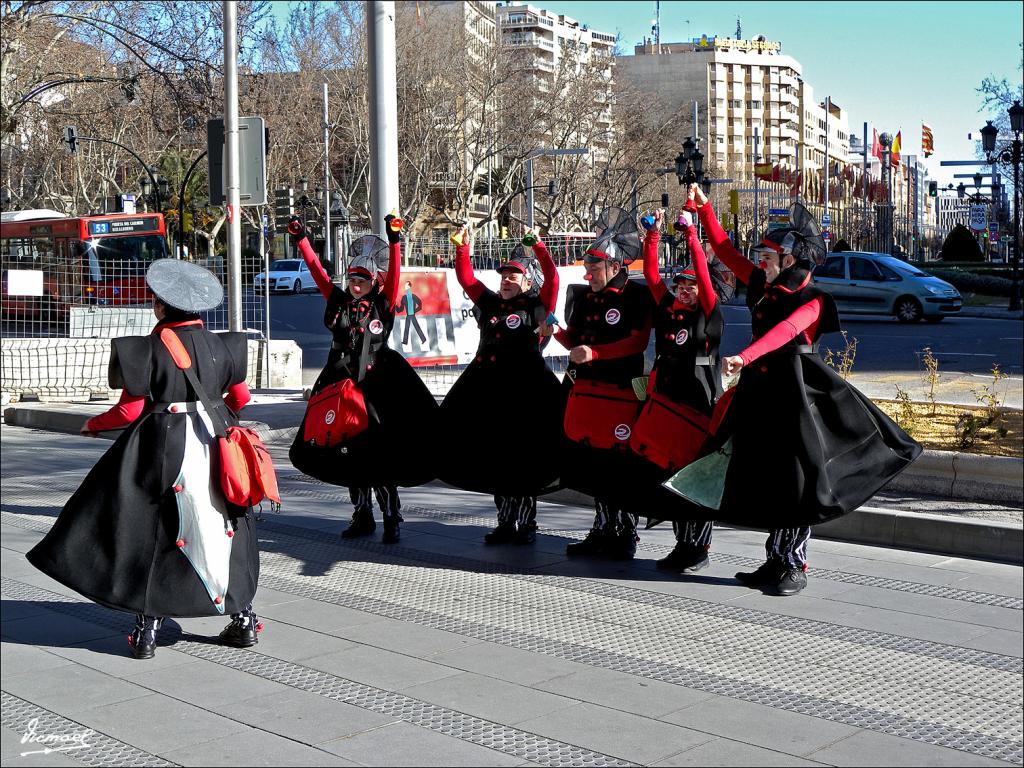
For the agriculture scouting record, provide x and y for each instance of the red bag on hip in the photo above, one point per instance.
(669, 434)
(600, 415)
(335, 414)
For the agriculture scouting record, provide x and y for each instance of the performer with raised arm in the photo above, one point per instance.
(149, 530)
(367, 393)
(608, 329)
(684, 382)
(505, 458)
(802, 446)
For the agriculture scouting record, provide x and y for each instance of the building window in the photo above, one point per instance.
(754, 104)
(736, 103)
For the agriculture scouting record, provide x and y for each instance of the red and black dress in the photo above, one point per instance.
(616, 324)
(806, 446)
(686, 375)
(396, 447)
(504, 413)
(149, 530)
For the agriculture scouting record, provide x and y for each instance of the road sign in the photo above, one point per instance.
(826, 220)
(252, 160)
(778, 212)
(826, 235)
(979, 218)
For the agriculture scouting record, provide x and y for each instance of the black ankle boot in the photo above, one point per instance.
(362, 525)
(592, 545)
(526, 534)
(243, 631)
(768, 573)
(684, 559)
(142, 640)
(392, 530)
(622, 546)
(505, 533)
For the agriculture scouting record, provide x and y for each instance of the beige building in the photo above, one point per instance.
(752, 104)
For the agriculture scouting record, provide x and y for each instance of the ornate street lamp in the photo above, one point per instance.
(690, 163)
(1010, 152)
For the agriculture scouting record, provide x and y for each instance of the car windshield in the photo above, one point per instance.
(901, 267)
(285, 266)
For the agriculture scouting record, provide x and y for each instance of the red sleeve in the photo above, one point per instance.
(464, 274)
(651, 272)
(634, 344)
(803, 320)
(237, 396)
(323, 282)
(723, 247)
(549, 292)
(394, 278)
(706, 291)
(127, 410)
(565, 337)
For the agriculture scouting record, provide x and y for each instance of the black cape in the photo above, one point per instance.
(115, 540)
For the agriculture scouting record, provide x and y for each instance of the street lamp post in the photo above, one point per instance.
(1009, 153)
(181, 202)
(529, 174)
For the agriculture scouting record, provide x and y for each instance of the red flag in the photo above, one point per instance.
(763, 171)
(795, 188)
(876, 145)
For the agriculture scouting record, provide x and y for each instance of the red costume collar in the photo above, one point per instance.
(800, 287)
(180, 324)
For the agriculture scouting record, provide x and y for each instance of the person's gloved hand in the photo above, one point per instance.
(393, 228)
(296, 228)
(684, 221)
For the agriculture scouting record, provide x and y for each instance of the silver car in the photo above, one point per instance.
(878, 284)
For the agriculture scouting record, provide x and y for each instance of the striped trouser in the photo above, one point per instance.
(613, 520)
(521, 510)
(387, 500)
(693, 534)
(788, 546)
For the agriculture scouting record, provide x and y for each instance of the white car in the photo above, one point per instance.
(286, 276)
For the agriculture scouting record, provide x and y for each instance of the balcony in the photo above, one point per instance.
(520, 21)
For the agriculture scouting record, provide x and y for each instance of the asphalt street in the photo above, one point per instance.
(961, 344)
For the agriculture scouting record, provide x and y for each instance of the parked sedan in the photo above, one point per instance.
(878, 284)
(286, 276)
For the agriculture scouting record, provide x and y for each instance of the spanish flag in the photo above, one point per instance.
(896, 149)
(927, 140)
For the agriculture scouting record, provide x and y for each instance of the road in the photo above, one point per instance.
(961, 344)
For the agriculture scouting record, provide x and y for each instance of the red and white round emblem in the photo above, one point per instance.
(513, 321)
(622, 432)
(612, 316)
(682, 336)
(329, 418)
(376, 327)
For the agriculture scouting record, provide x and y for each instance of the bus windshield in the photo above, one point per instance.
(115, 258)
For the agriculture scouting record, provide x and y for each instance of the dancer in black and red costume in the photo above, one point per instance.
(508, 369)
(806, 447)
(149, 530)
(360, 319)
(684, 383)
(608, 328)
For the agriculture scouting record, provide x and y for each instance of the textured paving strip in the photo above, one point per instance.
(97, 749)
(474, 730)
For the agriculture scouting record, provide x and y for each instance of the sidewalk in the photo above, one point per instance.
(441, 651)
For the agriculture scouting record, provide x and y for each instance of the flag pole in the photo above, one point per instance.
(828, 100)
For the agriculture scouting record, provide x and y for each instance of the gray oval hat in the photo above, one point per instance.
(184, 285)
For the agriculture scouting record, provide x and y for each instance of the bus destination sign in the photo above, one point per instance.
(123, 226)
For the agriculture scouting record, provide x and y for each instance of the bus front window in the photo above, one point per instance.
(117, 258)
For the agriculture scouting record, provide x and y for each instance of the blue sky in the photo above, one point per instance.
(892, 64)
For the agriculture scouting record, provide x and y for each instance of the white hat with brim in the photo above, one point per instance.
(184, 285)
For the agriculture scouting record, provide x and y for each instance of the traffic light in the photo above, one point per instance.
(71, 137)
(734, 202)
(553, 187)
(284, 204)
(933, 189)
(664, 199)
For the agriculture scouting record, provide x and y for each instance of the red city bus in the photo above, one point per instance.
(51, 262)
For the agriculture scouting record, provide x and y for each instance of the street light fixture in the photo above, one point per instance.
(690, 163)
(1009, 153)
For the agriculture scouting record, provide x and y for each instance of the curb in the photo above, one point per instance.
(954, 536)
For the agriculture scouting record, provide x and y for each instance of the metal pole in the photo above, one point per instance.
(1015, 286)
(864, 182)
(181, 204)
(380, 23)
(828, 102)
(327, 192)
(757, 185)
(265, 261)
(529, 192)
(231, 168)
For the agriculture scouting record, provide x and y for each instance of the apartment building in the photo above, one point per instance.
(751, 102)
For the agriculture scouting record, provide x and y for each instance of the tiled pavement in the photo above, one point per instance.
(440, 651)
